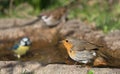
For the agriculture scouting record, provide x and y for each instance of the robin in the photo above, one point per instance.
(80, 50)
(22, 47)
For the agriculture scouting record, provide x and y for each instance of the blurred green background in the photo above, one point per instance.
(105, 14)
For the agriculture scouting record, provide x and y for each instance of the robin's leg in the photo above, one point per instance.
(75, 63)
(78, 65)
(86, 64)
(67, 60)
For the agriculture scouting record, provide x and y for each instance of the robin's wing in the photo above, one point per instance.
(78, 46)
(83, 45)
(90, 46)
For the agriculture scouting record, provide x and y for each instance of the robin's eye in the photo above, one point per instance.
(66, 40)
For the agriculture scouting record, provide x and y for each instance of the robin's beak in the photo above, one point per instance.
(62, 41)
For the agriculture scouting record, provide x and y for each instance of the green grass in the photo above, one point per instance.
(90, 72)
(105, 16)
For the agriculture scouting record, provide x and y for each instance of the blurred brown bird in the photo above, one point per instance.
(56, 16)
(53, 18)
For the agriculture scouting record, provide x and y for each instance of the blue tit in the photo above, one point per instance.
(22, 47)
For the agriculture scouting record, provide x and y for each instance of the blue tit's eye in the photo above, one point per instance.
(22, 43)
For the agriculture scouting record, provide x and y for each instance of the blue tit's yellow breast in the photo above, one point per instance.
(21, 50)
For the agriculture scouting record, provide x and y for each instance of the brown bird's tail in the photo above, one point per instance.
(72, 4)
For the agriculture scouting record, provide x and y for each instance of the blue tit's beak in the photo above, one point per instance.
(26, 43)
